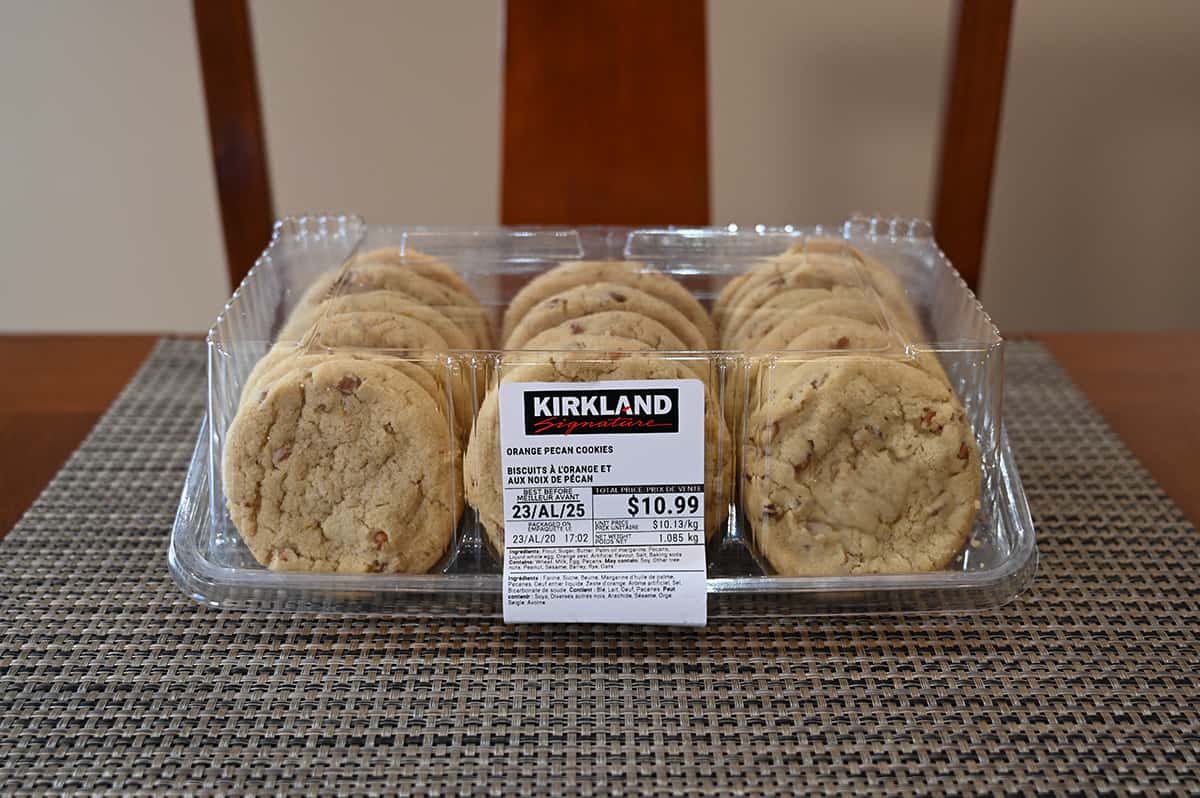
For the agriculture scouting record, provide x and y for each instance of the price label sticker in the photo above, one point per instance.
(604, 502)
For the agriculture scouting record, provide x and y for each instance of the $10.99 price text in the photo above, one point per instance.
(662, 505)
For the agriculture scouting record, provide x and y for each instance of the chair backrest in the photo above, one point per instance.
(606, 119)
(970, 127)
(605, 113)
(235, 130)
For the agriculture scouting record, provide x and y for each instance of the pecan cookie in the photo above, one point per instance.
(374, 330)
(285, 358)
(395, 302)
(419, 262)
(806, 337)
(584, 300)
(829, 334)
(775, 314)
(735, 317)
(481, 466)
(819, 269)
(839, 247)
(628, 273)
(618, 324)
(841, 334)
(790, 329)
(732, 295)
(356, 278)
(859, 465)
(784, 273)
(344, 466)
(884, 280)
(395, 335)
(562, 339)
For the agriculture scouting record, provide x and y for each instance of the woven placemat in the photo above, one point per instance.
(112, 681)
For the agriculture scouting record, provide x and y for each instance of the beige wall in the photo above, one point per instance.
(819, 109)
(1097, 190)
(822, 109)
(392, 109)
(106, 195)
(387, 109)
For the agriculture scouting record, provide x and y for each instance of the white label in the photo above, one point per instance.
(604, 502)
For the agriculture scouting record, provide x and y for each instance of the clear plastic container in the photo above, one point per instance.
(211, 563)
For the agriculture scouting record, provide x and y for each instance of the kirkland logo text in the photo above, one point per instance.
(601, 412)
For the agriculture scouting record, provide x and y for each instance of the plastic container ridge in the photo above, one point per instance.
(209, 560)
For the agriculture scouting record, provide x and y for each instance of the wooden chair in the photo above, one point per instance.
(606, 121)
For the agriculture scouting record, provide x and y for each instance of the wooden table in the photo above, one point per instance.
(1147, 385)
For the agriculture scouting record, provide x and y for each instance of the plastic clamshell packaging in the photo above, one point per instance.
(211, 563)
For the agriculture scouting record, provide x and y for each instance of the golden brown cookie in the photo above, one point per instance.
(884, 280)
(619, 324)
(584, 300)
(395, 302)
(284, 358)
(403, 337)
(784, 273)
(859, 465)
(419, 262)
(458, 306)
(731, 295)
(345, 466)
(628, 273)
(826, 265)
(778, 311)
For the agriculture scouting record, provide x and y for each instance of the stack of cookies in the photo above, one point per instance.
(345, 453)
(593, 321)
(857, 457)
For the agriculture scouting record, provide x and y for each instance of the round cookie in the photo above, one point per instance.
(283, 358)
(461, 308)
(853, 336)
(424, 265)
(796, 325)
(837, 271)
(749, 325)
(817, 334)
(730, 296)
(735, 317)
(375, 330)
(386, 331)
(860, 465)
(840, 334)
(481, 466)
(619, 324)
(584, 300)
(840, 248)
(815, 315)
(628, 273)
(394, 302)
(558, 339)
(833, 335)
(343, 467)
(824, 265)
(783, 275)
(883, 279)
